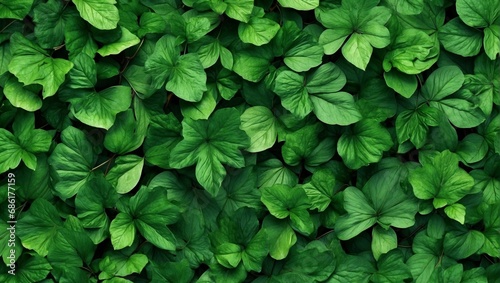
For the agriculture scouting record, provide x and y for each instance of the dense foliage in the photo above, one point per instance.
(250, 140)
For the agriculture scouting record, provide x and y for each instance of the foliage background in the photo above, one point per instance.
(251, 141)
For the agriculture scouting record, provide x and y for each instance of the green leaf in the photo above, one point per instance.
(39, 226)
(456, 212)
(126, 173)
(101, 14)
(301, 95)
(383, 241)
(461, 113)
(492, 41)
(49, 28)
(315, 261)
(74, 247)
(95, 196)
(391, 268)
(240, 10)
(126, 40)
(462, 244)
(407, 7)
(228, 255)
(301, 5)
(363, 143)
(252, 63)
(441, 180)
(260, 125)
(15, 10)
(414, 124)
(357, 50)
(284, 201)
(300, 144)
(24, 97)
(79, 38)
(491, 222)
(476, 14)
(362, 215)
(423, 267)
(404, 84)
(258, 31)
(23, 144)
(382, 201)
(488, 181)
(151, 211)
(127, 134)
(281, 237)
(272, 172)
(72, 161)
(353, 268)
(303, 53)
(184, 74)
(294, 97)
(162, 136)
(320, 190)
(83, 74)
(238, 190)
(30, 268)
(26, 56)
(473, 148)
(172, 272)
(201, 109)
(209, 144)
(191, 235)
(460, 39)
(122, 230)
(118, 264)
(335, 108)
(443, 82)
(208, 49)
(412, 52)
(99, 109)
